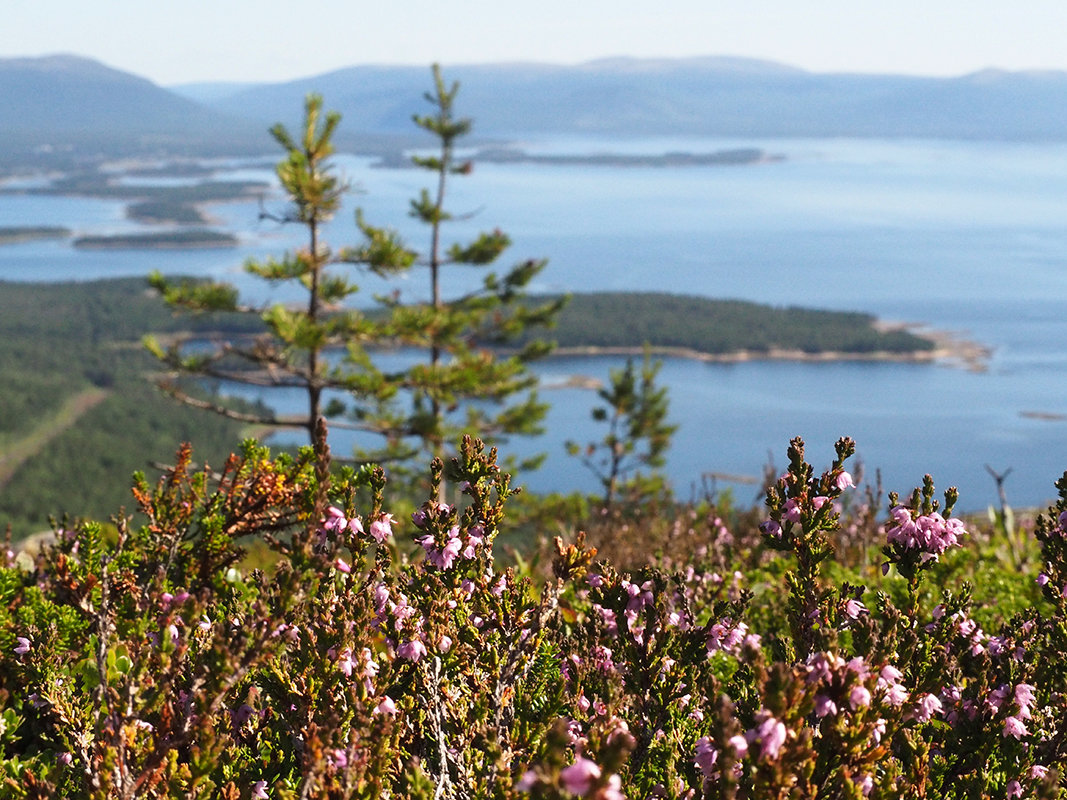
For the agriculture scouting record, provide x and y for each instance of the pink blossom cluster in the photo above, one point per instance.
(929, 534)
(335, 523)
(731, 637)
(849, 686)
(442, 540)
(768, 736)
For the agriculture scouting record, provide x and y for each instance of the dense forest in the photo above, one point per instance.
(74, 375)
(717, 327)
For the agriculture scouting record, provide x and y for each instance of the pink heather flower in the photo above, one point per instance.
(996, 698)
(879, 730)
(23, 645)
(791, 511)
(824, 706)
(853, 608)
(1038, 772)
(448, 553)
(386, 706)
(866, 784)
(771, 735)
(771, 528)
(890, 675)
(819, 502)
(927, 707)
(896, 694)
(412, 651)
(739, 744)
(1042, 579)
(382, 528)
(1013, 726)
(578, 778)
(339, 758)
(335, 521)
(843, 481)
(613, 791)
(859, 697)
(445, 644)
(345, 662)
(259, 790)
(858, 666)
(65, 759)
(706, 756)
(1024, 695)
(381, 598)
(1013, 789)
(342, 565)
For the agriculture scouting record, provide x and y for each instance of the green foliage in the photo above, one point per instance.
(375, 657)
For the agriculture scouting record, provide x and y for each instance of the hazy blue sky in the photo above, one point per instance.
(175, 41)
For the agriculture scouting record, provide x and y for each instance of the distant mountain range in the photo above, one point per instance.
(67, 108)
(699, 96)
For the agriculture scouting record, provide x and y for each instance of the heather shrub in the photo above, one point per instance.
(824, 647)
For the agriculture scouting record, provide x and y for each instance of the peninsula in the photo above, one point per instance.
(605, 323)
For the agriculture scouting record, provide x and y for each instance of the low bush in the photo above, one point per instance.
(823, 649)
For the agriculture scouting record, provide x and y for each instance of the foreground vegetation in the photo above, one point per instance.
(825, 648)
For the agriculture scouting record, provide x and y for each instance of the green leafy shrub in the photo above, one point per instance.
(377, 657)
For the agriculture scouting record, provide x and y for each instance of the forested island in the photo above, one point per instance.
(166, 240)
(179, 204)
(15, 234)
(512, 155)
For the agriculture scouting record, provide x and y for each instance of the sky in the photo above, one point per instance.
(184, 41)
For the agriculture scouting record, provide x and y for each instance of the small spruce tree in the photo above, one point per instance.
(459, 333)
(291, 349)
(638, 433)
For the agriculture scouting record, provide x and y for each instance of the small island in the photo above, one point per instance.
(16, 234)
(512, 155)
(161, 212)
(169, 240)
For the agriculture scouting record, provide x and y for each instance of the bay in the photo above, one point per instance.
(967, 237)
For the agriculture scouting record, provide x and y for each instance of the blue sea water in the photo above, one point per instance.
(966, 237)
